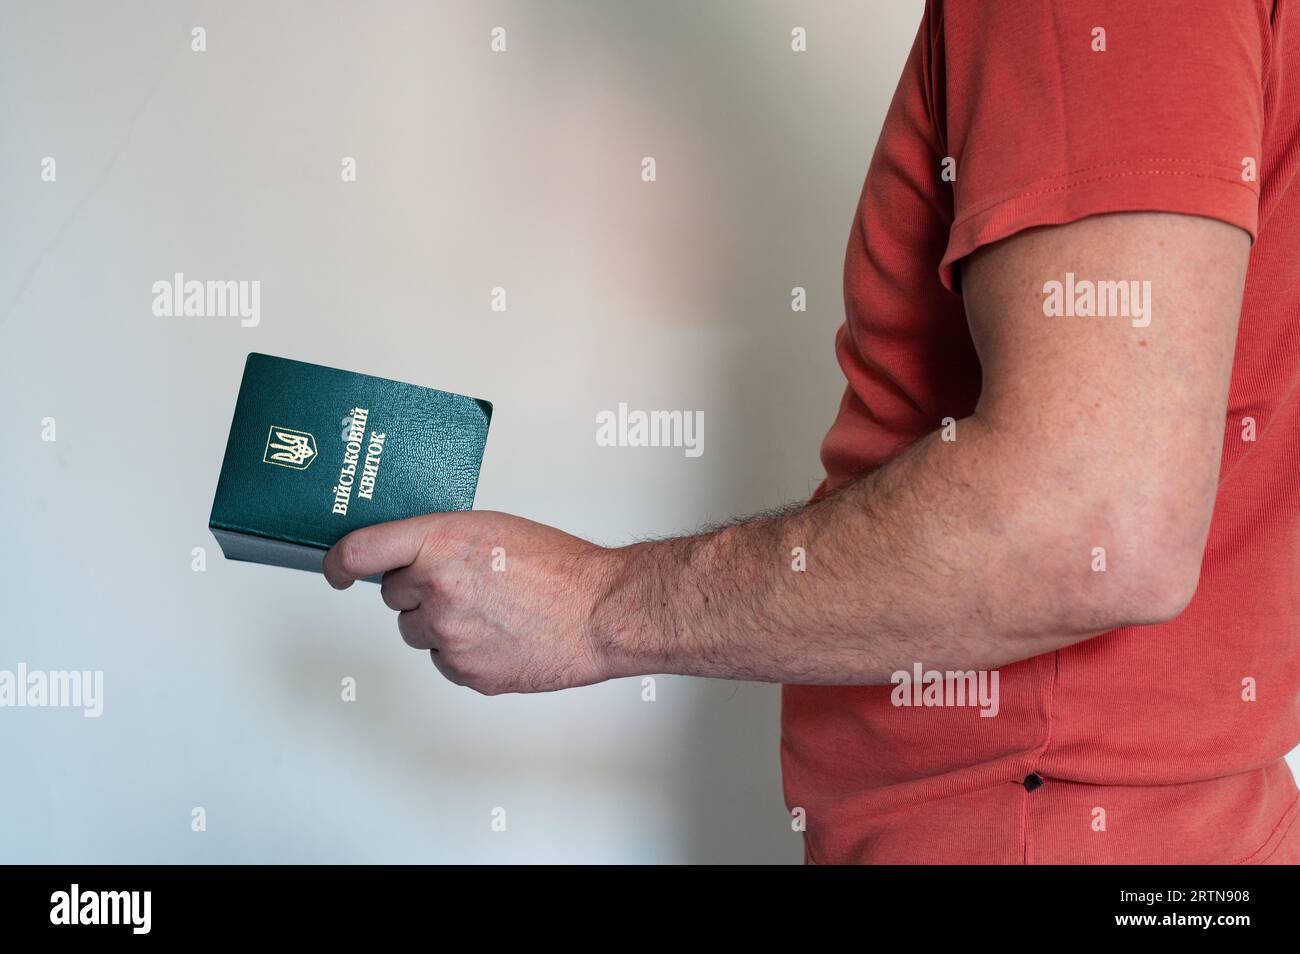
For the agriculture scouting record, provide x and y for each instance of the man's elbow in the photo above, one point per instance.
(1172, 576)
(1143, 567)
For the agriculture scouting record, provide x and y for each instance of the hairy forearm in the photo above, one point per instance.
(944, 556)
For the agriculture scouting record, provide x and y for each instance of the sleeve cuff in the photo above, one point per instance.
(1189, 188)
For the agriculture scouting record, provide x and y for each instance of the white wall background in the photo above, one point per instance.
(475, 170)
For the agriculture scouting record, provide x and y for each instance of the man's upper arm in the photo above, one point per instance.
(1107, 347)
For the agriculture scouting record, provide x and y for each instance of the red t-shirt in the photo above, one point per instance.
(1154, 744)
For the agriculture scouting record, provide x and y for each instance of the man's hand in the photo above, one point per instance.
(502, 603)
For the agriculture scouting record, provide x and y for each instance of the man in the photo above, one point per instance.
(1046, 463)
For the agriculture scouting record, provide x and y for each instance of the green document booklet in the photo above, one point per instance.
(316, 452)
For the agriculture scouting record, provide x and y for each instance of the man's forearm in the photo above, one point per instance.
(944, 556)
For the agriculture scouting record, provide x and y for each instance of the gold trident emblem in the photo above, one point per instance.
(286, 447)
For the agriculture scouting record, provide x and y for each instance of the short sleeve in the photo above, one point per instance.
(1054, 110)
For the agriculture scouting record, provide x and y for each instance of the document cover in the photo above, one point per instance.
(316, 452)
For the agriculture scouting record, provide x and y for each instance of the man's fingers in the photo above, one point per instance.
(372, 550)
(400, 589)
(447, 674)
(416, 633)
